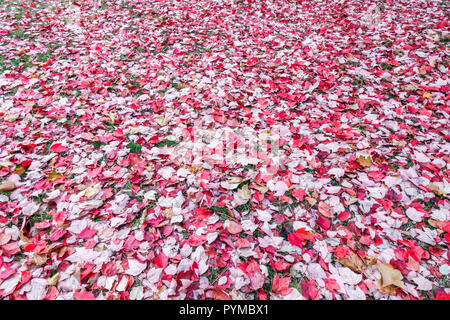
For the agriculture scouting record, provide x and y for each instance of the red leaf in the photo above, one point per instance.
(88, 233)
(299, 194)
(281, 285)
(344, 215)
(57, 234)
(295, 239)
(161, 260)
(58, 147)
(324, 222)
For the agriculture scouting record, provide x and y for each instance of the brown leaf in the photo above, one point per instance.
(62, 251)
(260, 188)
(354, 262)
(351, 200)
(23, 238)
(168, 213)
(435, 188)
(7, 186)
(390, 290)
(390, 276)
(399, 143)
(364, 161)
(370, 260)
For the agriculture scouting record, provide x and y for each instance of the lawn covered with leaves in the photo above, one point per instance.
(224, 149)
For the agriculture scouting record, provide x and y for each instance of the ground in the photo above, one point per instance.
(224, 149)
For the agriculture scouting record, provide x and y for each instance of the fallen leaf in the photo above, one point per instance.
(435, 188)
(311, 201)
(53, 280)
(54, 175)
(325, 209)
(353, 262)
(234, 227)
(390, 275)
(364, 161)
(7, 186)
(244, 192)
(260, 188)
(91, 191)
(39, 259)
(19, 170)
(4, 238)
(58, 147)
(369, 261)
(219, 294)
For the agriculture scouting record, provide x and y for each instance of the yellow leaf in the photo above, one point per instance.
(364, 161)
(390, 276)
(159, 119)
(427, 95)
(19, 171)
(54, 175)
(52, 281)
